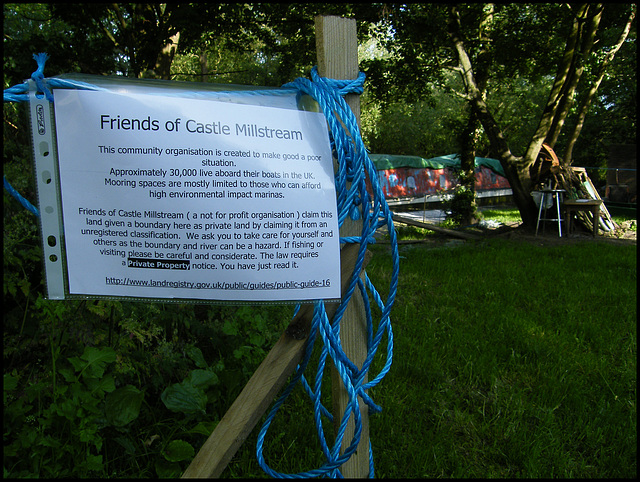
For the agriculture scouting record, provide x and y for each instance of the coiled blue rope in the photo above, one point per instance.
(353, 200)
(353, 163)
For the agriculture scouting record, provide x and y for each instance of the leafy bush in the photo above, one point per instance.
(55, 420)
(113, 388)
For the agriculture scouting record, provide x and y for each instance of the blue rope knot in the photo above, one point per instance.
(38, 74)
(341, 87)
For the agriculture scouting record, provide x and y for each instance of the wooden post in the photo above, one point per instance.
(337, 50)
(266, 382)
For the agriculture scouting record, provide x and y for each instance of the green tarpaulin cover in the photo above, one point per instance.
(389, 161)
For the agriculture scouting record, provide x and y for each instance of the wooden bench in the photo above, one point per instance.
(576, 205)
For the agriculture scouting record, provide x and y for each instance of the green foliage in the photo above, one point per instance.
(421, 128)
(518, 105)
(519, 64)
(185, 397)
(110, 388)
(53, 425)
(100, 388)
(174, 452)
(118, 389)
(122, 406)
(461, 207)
(412, 106)
(178, 450)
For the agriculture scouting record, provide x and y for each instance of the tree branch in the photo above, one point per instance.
(585, 45)
(129, 43)
(584, 106)
(496, 136)
(554, 96)
(203, 74)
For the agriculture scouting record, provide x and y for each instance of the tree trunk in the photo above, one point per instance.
(517, 172)
(516, 169)
(165, 58)
(562, 74)
(520, 171)
(204, 65)
(467, 206)
(466, 197)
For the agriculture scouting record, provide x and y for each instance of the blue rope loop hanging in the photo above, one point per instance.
(353, 200)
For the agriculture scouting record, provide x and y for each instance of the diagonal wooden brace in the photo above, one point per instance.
(269, 378)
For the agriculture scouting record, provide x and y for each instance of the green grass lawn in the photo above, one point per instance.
(510, 360)
(504, 215)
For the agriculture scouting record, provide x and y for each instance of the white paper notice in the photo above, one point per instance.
(167, 197)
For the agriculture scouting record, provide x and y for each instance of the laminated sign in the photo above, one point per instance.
(169, 197)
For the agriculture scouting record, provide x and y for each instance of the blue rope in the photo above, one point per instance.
(19, 93)
(353, 200)
(38, 75)
(19, 197)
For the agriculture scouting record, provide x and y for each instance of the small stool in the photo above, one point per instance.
(557, 195)
(592, 205)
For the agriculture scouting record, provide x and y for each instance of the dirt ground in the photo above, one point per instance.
(624, 234)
